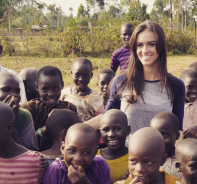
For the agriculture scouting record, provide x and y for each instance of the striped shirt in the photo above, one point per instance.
(120, 57)
(23, 169)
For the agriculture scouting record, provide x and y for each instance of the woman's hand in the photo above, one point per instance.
(77, 175)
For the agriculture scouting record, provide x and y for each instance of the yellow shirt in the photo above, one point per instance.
(118, 167)
(168, 179)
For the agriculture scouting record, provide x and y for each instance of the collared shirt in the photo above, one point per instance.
(21, 84)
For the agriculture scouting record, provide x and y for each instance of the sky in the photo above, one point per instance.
(65, 4)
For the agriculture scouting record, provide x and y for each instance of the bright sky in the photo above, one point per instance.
(65, 4)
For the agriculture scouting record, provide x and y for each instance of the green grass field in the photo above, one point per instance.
(176, 64)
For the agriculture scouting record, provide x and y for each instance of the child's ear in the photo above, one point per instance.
(64, 131)
(62, 147)
(177, 135)
(36, 86)
(91, 75)
(128, 130)
(178, 166)
(62, 84)
(10, 127)
(163, 159)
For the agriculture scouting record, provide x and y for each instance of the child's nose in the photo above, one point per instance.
(78, 157)
(111, 133)
(139, 167)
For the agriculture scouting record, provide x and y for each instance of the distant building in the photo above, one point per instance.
(37, 28)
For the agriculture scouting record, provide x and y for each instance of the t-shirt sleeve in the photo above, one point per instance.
(104, 171)
(114, 63)
(179, 101)
(53, 174)
(114, 103)
(28, 136)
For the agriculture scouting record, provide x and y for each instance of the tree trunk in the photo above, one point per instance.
(182, 20)
(171, 14)
(185, 19)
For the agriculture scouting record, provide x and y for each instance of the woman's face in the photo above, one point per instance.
(146, 48)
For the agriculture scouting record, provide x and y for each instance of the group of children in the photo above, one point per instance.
(46, 141)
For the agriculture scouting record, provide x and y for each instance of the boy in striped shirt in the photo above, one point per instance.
(121, 56)
(17, 164)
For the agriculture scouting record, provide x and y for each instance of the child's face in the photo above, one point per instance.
(190, 89)
(103, 81)
(189, 167)
(114, 133)
(9, 86)
(79, 149)
(49, 88)
(81, 75)
(169, 135)
(144, 163)
(125, 34)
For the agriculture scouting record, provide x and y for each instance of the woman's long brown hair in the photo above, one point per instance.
(134, 79)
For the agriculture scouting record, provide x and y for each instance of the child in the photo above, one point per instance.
(168, 125)
(80, 164)
(87, 101)
(103, 80)
(29, 80)
(189, 77)
(146, 155)
(57, 125)
(121, 56)
(24, 132)
(193, 66)
(186, 155)
(114, 129)
(49, 84)
(17, 164)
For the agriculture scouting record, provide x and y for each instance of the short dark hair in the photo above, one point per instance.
(84, 61)
(60, 119)
(128, 25)
(193, 66)
(49, 71)
(188, 73)
(107, 71)
(168, 116)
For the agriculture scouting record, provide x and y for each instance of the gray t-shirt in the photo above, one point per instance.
(139, 114)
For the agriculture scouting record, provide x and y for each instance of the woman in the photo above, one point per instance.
(146, 88)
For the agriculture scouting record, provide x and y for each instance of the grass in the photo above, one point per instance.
(176, 64)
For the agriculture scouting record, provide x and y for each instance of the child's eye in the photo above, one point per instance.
(117, 128)
(149, 162)
(189, 87)
(133, 161)
(5, 89)
(105, 130)
(164, 135)
(71, 150)
(86, 153)
(44, 89)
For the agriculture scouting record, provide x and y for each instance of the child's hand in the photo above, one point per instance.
(43, 162)
(190, 132)
(136, 180)
(13, 102)
(77, 175)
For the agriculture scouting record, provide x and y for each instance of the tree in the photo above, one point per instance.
(81, 11)
(71, 9)
(51, 7)
(113, 11)
(8, 7)
(137, 12)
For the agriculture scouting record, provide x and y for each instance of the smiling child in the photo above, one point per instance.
(168, 125)
(80, 166)
(114, 130)
(49, 84)
(146, 155)
(87, 101)
(186, 155)
(121, 56)
(24, 132)
(103, 80)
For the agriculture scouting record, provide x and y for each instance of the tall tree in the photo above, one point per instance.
(51, 7)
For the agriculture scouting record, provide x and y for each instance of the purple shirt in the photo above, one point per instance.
(120, 57)
(97, 173)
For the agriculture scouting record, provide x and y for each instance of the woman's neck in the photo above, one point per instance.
(114, 154)
(151, 73)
